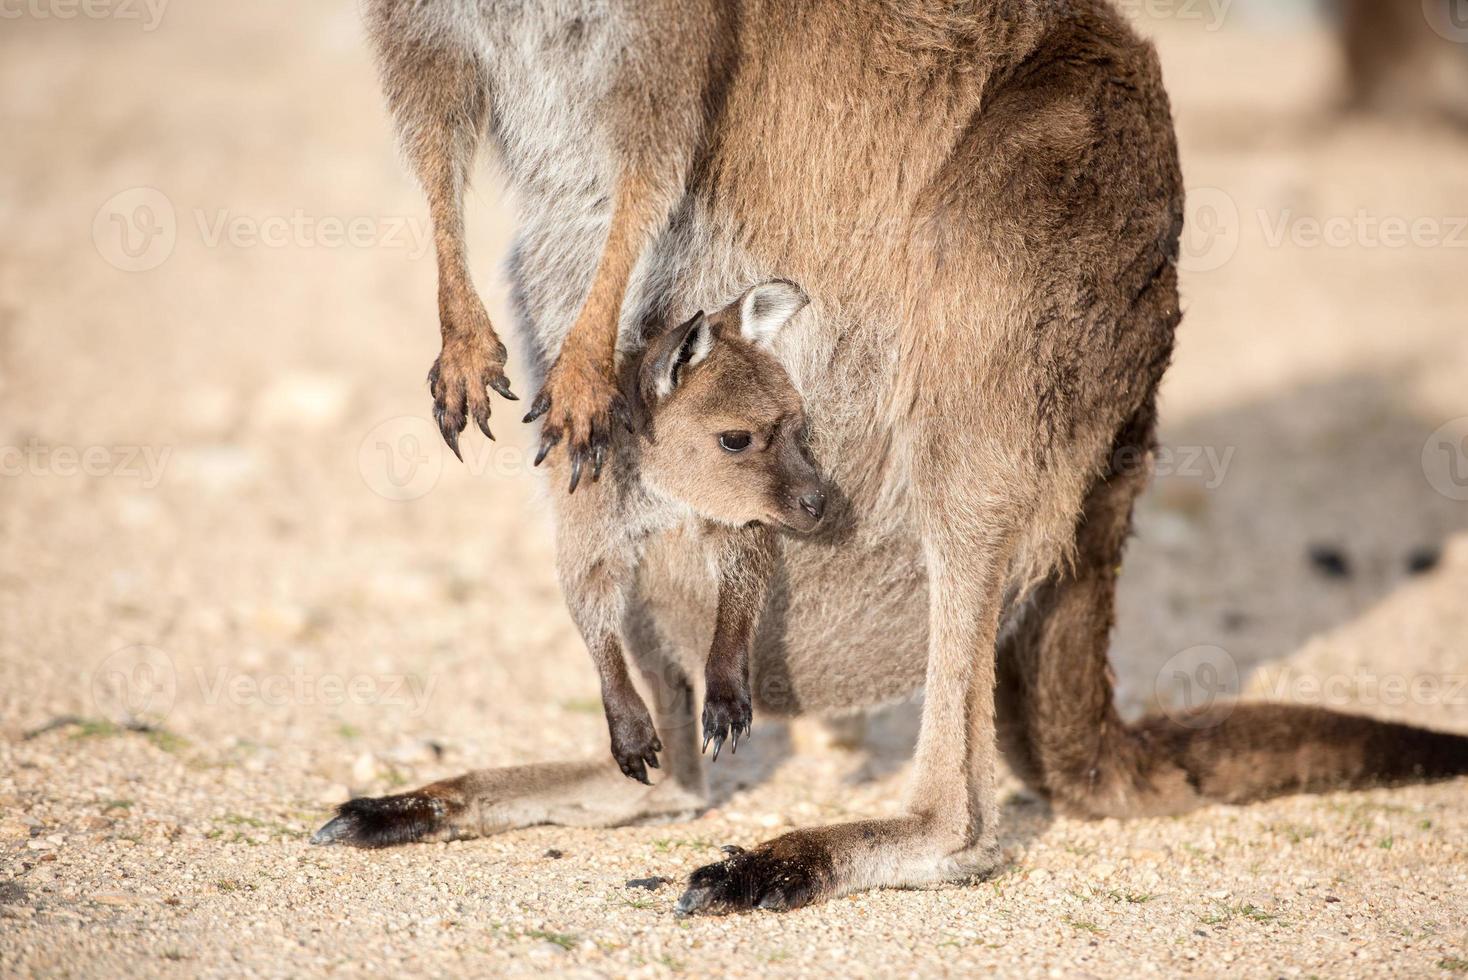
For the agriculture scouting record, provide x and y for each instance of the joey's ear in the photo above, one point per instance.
(675, 352)
(768, 307)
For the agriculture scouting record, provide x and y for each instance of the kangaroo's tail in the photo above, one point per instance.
(1252, 751)
(1062, 734)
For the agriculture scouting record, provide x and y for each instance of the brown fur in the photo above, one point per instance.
(983, 200)
(1398, 64)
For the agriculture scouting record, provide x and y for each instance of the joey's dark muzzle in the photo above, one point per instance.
(803, 508)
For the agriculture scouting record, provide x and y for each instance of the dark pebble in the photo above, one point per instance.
(1330, 561)
(651, 884)
(1420, 561)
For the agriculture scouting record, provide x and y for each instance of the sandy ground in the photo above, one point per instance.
(215, 316)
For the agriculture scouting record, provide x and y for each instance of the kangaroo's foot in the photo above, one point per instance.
(580, 403)
(472, 361)
(635, 743)
(489, 801)
(727, 714)
(809, 866)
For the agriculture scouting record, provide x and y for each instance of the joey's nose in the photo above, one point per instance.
(814, 504)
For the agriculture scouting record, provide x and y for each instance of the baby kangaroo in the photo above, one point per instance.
(719, 455)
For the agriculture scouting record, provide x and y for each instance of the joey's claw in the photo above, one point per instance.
(636, 769)
(727, 715)
(635, 746)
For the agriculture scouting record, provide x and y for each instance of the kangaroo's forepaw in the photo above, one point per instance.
(580, 405)
(386, 820)
(780, 875)
(726, 715)
(467, 366)
(635, 746)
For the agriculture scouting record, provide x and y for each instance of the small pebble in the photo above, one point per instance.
(1420, 561)
(651, 884)
(1330, 561)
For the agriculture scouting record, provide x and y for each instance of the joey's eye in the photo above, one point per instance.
(734, 442)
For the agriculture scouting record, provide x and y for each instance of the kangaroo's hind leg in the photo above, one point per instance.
(588, 793)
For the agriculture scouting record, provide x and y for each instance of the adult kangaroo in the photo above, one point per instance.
(982, 200)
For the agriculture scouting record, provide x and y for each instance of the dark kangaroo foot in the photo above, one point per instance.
(635, 744)
(783, 874)
(387, 820)
(727, 714)
(813, 865)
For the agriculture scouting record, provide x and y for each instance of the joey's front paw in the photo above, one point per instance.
(727, 714)
(580, 405)
(466, 367)
(635, 746)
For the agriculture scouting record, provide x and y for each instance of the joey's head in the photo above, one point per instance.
(725, 425)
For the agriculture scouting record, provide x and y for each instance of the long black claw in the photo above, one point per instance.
(481, 418)
(651, 760)
(707, 738)
(576, 457)
(449, 430)
(539, 407)
(551, 438)
(636, 770)
(718, 744)
(501, 384)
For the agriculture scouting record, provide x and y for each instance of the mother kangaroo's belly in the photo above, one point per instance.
(846, 625)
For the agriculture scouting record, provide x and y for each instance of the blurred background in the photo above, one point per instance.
(241, 577)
